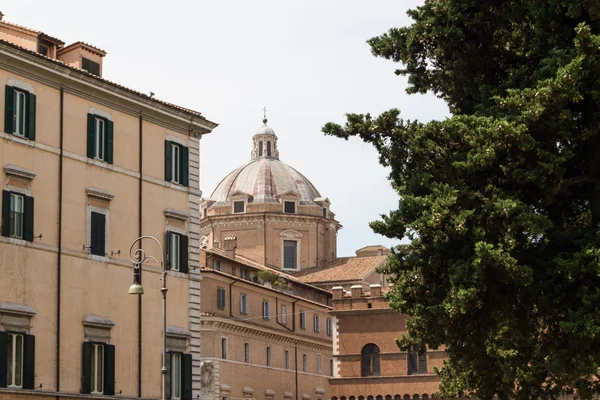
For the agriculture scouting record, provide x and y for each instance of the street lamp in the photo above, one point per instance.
(139, 257)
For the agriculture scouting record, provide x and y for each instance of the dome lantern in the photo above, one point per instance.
(264, 143)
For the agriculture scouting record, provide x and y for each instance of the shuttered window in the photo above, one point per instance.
(90, 66)
(220, 298)
(98, 234)
(266, 310)
(17, 215)
(177, 163)
(17, 360)
(98, 368)
(177, 252)
(100, 138)
(19, 112)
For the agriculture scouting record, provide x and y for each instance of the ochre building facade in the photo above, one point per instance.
(81, 164)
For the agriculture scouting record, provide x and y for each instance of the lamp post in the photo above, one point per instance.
(139, 257)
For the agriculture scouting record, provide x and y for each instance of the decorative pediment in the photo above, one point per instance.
(238, 194)
(288, 194)
(18, 172)
(322, 201)
(100, 194)
(176, 214)
(290, 234)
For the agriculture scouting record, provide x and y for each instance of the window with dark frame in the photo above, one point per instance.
(43, 49)
(239, 206)
(90, 66)
(177, 163)
(417, 363)
(19, 112)
(317, 323)
(302, 319)
(246, 352)
(100, 138)
(221, 302)
(289, 207)
(178, 379)
(177, 252)
(98, 368)
(217, 265)
(17, 215)
(266, 310)
(370, 360)
(98, 234)
(329, 327)
(290, 254)
(19, 361)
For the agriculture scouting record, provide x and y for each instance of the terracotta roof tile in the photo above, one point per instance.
(84, 72)
(342, 269)
(372, 248)
(33, 31)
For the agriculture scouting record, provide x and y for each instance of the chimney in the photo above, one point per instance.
(338, 292)
(375, 290)
(229, 245)
(356, 291)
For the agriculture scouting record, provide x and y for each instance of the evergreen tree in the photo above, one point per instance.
(500, 202)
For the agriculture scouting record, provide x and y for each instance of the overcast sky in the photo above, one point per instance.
(306, 61)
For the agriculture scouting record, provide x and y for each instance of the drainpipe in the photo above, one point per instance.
(139, 332)
(296, 366)
(59, 253)
(230, 298)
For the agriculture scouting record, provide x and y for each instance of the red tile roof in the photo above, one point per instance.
(97, 78)
(342, 270)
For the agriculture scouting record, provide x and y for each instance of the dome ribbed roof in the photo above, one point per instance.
(265, 177)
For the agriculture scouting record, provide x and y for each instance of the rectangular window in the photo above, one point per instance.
(43, 49)
(97, 234)
(100, 135)
(303, 319)
(238, 206)
(19, 112)
(290, 254)
(317, 323)
(331, 367)
(266, 310)
(178, 379)
(175, 376)
(17, 207)
(286, 359)
(268, 356)
(304, 363)
(318, 364)
(224, 348)
(14, 373)
(217, 265)
(245, 274)
(289, 207)
(324, 212)
(246, 352)
(220, 298)
(100, 138)
(233, 271)
(177, 252)
(177, 163)
(90, 66)
(417, 363)
(243, 304)
(97, 376)
(329, 327)
(174, 251)
(283, 315)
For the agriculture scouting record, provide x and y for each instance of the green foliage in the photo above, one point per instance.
(272, 277)
(500, 202)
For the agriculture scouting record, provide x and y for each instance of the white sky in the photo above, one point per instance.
(306, 61)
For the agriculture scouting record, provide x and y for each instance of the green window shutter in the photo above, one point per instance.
(186, 377)
(98, 241)
(183, 251)
(185, 166)
(109, 369)
(9, 111)
(29, 362)
(28, 217)
(30, 122)
(109, 141)
(3, 357)
(91, 135)
(168, 249)
(86, 367)
(167, 161)
(5, 214)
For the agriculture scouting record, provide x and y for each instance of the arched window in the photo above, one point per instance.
(260, 148)
(268, 149)
(417, 362)
(370, 360)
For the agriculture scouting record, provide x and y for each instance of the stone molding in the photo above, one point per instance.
(99, 193)
(177, 331)
(18, 172)
(98, 321)
(176, 214)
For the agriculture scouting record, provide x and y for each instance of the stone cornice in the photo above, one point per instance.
(18, 172)
(242, 327)
(268, 217)
(99, 193)
(176, 214)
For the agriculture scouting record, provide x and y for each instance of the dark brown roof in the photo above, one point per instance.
(342, 270)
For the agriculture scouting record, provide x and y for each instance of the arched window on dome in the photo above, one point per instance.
(268, 149)
(260, 148)
(370, 360)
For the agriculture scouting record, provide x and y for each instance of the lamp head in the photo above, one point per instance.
(136, 288)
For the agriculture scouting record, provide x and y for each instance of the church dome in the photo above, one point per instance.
(265, 177)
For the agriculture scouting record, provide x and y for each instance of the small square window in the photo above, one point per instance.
(239, 206)
(289, 207)
(90, 66)
(43, 49)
